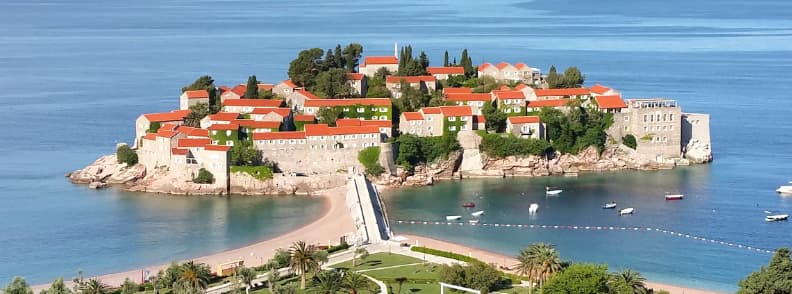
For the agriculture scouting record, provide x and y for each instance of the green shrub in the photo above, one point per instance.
(124, 154)
(154, 127)
(261, 173)
(339, 247)
(502, 146)
(442, 253)
(369, 157)
(204, 177)
(629, 141)
(415, 150)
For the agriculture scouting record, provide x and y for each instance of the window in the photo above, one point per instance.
(664, 128)
(214, 132)
(430, 128)
(665, 139)
(373, 109)
(346, 108)
(670, 117)
(645, 118)
(507, 102)
(383, 109)
(517, 109)
(412, 122)
(452, 128)
(626, 128)
(324, 137)
(382, 117)
(292, 141)
(646, 128)
(460, 103)
(412, 131)
(420, 122)
(270, 141)
(374, 117)
(430, 118)
(355, 136)
(464, 118)
(508, 110)
(214, 142)
(229, 143)
(626, 118)
(462, 128)
(481, 103)
(228, 133)
(665, 116)
(651, 118)
(452, 118)
(361, 110)
(671, 127)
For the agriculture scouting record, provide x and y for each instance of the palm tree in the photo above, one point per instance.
(401, 281)
(633, 279)
(361, 253)
(94, 286)
(538, 262)
(304, 260)
(247, 275)
(355, 281)
(327, 282)
(193, 277)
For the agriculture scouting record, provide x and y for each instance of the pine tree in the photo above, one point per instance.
(553, 80)
(338, 57)
(252, 88)
(423, 60)
(329, 60)
(445, 59)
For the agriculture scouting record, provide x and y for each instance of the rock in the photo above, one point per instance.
(97, 185)
(698, 152)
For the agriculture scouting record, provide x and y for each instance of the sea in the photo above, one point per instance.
(76, 73)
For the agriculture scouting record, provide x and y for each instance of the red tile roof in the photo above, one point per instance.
(469, 97)
(304, 117)
(177, 151)
(278, 135)
(258, 124)
(168, 127)
(223, 127)
(347, 102)
(610, 102)
(548, 103)
(524, 119)
(347, 122)
(380, 60)
(166, 133)
(599, 89)
(451, 70)
(504, 88)
(224, 88)
(431, 110)
(479, 118)
(217, 148)
(351, 122)
(561, 92)
(520, 65)
(521, 86)
(324, 130)
(186, 143)
(457, 90)
(282, 111)
(193, 132)
(289, 83)
(307, 94)
(502, 65)
(176, 115)
(456, 110)
(264, 87)
(354, 76)
(150, 136)
(253, 102)
(412, 115)
(509, 94)
(484, 66)
(223, 116)
(197, 94)
(409, 79)
(239, 90)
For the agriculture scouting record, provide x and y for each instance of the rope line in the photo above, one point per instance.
(590, 228)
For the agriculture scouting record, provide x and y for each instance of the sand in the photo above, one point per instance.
(508, 261)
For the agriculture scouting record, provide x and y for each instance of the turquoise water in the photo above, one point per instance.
(75, 74)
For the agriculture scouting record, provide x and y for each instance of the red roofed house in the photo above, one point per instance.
(371, 64)
(323, 137)
(249, 127)
(155, 148)
(193, 133)
(298, 97)
(554, 94)
(280, 142)
(510, 102)
(506, 72)
(284, 88)
(358, 84)
(460, 90)
(218, 118)
(300, 120)
(365, 108)
(598, 89)
(537, 105)
(279, 114)
(393, 83)
(193, 97)
(442, 73)
(476, 101)
(436, 121)
(246, 106)
(151, 122)
(385, 126)
(610, 103)
(237, 92)
(526, 127)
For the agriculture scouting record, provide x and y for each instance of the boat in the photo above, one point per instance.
(473, 221)
(784, 190)
(477, 213)
(609, 205)
(469, 205)
(453, 217)
(674, 196)
(768, 212)
(626, 211)
(777, 217)
(533, 208)
(550, 191)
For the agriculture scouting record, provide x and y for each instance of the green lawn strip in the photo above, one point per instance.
(378, 260)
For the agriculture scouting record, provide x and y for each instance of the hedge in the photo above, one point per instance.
(339, 247)
(260, 172)
(442, 253)
(204, 177)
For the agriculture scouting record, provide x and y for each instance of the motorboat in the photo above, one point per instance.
(533, 208)
(477, 213)
(777, 217)
(453, 217)
(609, 205)
(473, 221)
(626, 211)
(469, 205)
(552, 191)
(784, 190)
(674, 196)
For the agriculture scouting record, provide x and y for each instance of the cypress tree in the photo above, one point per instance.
(445, 59)
(338, 58)
(329, 60)
(423, 60)
(252, 88)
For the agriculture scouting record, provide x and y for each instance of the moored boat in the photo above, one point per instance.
(629, 210)
(533, 208)
(469, 205)
(784, 190)
(776, 217)
(477, 213)
(473, 221)
(609, 205)
(674, 196)
(453, 217)
(552, 191)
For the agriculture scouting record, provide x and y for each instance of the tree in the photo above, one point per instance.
(445, 59)
(538, 262)
(332, 83)
(775, 278)
(94, 286)
(204, 177)
(252, 88)
(475, 275)
(304, 260)
(129, 287)
(495, 119)
(553, 80)
(327, 282)
(629, 141)
(351, 55)
(18, 286)
(305, 67)
(247, 275)
(328, 115)
(272, 279)
(57, 287)
(197, 113)
(579, 278)
(633, 281)
(369, 158)
(573, 78)
(201, 83)
(467, 63)
(354, 281)
(282, 258)
(411, 98)
(244, 154)
(124, 154)
(361, 253)
(193, 277)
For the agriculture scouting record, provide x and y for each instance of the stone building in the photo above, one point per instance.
(246, 106)
(696, 144)
(436, 121)
(284, 88)
(358, 84)
(506, 72)
(371, 64)
(441, 73)
(193, 97)
(424, 83)
(655, 123)
(151, 122)
(476, 101)
(526, 127)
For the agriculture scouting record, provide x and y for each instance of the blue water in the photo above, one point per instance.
(76, 73)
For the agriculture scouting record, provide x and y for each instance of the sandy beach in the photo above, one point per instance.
(335, 223)
(508, 261)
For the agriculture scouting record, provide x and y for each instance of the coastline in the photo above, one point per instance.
(332, 224)
(504, 260)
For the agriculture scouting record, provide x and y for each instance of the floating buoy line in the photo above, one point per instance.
(589, 228)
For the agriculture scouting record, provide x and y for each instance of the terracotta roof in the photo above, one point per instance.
(168, 127)
(524, 119)
(253, 102)
(324, 130)
(409, 79)
(239, 90)
(150, 136)
(504, 88)
(520, 65)
(599, 89)
(456, 110)
(548, 103)
(258, 124)
(193, 132)
(351, 122)
(457, 90)
(479, 118)
(610, 102)
(289, 83)
(176, 115)
(166, 133)
(483, 66)
(307, 94)
(186, 143)
(510, 94)
(377, 123)
(278, 135)
(451, 70)
(469, 97)
(502, 65)
(304, 117)
(380, 60)
(282, 111)
(197, 94)
(412, 115)
(347, 102)
(265, 87)
(521, 86)
(431, 110)
(224, 116)
(217, 148)
(223, 127)
(561, 92)
(224, 88)
(177, 151)
(354, 76)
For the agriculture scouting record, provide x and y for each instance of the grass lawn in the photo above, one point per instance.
(421, 278)
(378, 260)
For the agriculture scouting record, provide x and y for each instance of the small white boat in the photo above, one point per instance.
(473, 221)
(453, 217)
(768, 212)
(626, 211)
(674, 196)
(776, 217)
(477, 213)
(533, 208)
(550, 191)
(609, 205)
(784, 190)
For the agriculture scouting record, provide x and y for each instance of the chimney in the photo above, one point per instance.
(395, 50)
